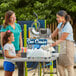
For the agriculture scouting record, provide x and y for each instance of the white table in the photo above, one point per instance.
(33, 59)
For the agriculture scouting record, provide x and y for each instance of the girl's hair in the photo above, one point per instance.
(64, 14)
(8, 14)
(6, 36)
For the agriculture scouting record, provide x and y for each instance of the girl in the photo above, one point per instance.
(65, 31)
(9, 52)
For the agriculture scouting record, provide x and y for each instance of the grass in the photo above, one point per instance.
(1, 57)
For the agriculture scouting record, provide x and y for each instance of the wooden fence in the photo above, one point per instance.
(52, 27)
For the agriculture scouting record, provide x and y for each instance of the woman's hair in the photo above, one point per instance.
(6, 36)
(64, 14)
(8, 14)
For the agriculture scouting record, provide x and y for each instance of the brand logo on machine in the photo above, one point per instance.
(37, 41)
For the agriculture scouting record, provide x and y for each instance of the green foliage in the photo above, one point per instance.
(4, 6)
(46, 9)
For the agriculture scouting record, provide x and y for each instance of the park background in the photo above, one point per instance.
(45, 9)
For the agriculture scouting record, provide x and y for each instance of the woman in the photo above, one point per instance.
(66, 56)
(10, 24)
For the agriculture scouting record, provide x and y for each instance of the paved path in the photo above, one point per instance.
(29, 73)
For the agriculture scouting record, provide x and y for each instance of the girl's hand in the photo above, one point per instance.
(17, 56)
(19, 52)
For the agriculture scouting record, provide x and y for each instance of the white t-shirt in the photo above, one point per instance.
(11, 50)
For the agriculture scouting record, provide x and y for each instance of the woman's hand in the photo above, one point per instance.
(54, 44)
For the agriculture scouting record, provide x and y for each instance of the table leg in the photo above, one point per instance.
(25, 68)
(39, 69)
(43, 68)
(51, 69)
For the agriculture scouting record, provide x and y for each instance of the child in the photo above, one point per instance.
(9, 52)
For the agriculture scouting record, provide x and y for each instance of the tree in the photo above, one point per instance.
(46, 9)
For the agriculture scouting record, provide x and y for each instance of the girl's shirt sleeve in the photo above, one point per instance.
(6, 47)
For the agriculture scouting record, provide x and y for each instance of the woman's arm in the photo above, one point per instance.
(63, 37)
(20, 39)
(54, 34)
(6, 54)
(2, 34)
